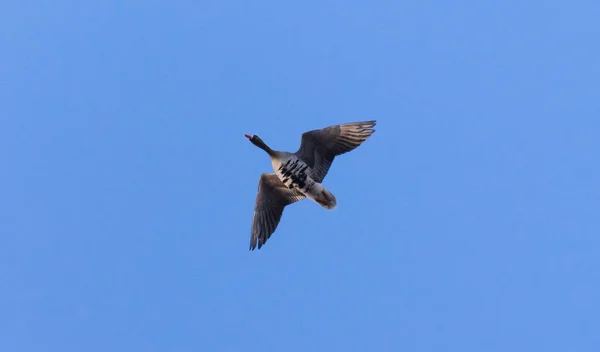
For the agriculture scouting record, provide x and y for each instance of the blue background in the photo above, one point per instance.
(468, 222)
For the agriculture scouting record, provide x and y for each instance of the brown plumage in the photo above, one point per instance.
(320, 147)
(272, 197)
(309, 166)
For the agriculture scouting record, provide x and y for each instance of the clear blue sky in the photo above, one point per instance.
(468, 222)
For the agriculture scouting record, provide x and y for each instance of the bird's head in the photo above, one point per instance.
(259, 143)
(254, 139)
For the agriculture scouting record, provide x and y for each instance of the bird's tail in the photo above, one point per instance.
(326, 199)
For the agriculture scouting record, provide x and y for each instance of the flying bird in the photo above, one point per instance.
(300, 175)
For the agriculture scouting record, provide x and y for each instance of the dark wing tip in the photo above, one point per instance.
(255, 242)
(368, 124)
(363, 124)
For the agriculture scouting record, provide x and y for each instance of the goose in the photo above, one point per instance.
(300, 175)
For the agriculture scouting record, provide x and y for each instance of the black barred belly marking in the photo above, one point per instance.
(293, 174)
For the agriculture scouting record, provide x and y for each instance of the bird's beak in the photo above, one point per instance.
(248, 136)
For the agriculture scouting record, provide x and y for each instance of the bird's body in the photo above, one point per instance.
(296, 174)
(300, 175)
(293, 172)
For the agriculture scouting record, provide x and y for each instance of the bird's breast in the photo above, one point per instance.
(294, 173)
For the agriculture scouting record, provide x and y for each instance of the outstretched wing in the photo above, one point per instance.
(272, 197)
(319, 147)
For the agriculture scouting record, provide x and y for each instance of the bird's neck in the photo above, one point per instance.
(266, 148)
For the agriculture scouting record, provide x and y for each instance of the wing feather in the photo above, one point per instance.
(273, 196)
(318, 148)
